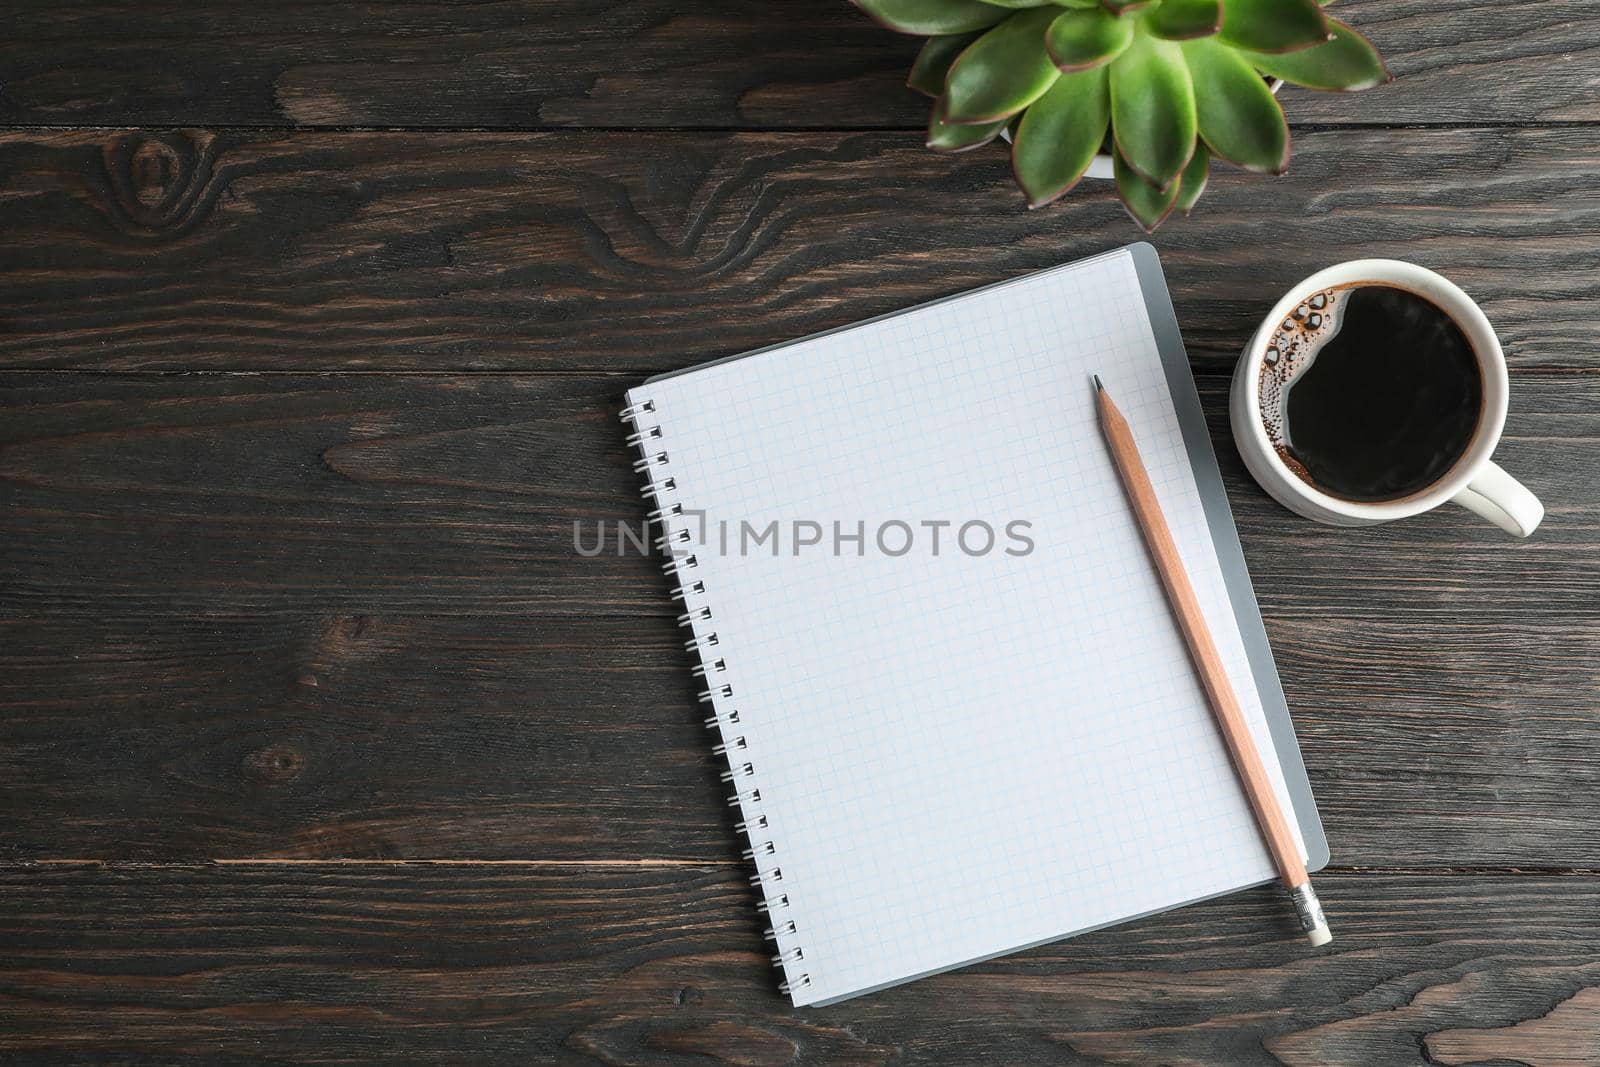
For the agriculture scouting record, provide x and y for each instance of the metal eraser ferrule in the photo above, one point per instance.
(1308, 908)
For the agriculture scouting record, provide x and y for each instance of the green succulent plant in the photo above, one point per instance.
(1163, 86)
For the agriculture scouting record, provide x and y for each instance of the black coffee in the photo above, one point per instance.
(1370, 392)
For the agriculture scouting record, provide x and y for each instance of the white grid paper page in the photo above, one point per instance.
(961, 754)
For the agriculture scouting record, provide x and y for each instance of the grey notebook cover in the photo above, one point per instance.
(1219, 519)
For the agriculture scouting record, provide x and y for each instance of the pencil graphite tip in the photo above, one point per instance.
(1097, 386)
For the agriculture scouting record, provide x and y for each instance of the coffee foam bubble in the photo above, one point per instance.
(1291, 347)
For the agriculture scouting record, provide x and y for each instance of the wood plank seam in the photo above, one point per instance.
(1478, 870)
(711, 128)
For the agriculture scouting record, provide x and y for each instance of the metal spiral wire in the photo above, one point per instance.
(659, 489)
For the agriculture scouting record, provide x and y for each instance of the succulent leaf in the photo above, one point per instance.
(1239, 117)
(1273, 25)
(1193, 181)
(948, 137)
(1081, 39)
(933, 62)
(1179, 20)
(1152, 109)
(1003, 71)
(932, 17)
(1176, 82)
(1148, 205)
(1348, 62)
(1060, 135)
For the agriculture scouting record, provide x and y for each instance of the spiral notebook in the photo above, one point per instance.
(958, 716)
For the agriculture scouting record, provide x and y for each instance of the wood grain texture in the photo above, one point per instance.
(322, 495)
(647, 63)
(339, 617)
(1568, 1036)
(235, 494)
(633, 252)
(663, 965)
(342, 616)
(377, 737)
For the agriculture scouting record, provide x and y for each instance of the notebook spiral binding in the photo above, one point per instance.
(660, 489)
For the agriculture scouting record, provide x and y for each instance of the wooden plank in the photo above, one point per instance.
(354, 737)
(429, 738)
(311, 496)
(537, 63)
(234, 565)
(236, 494)
(320, 501)
(633, 252)
(632, 965)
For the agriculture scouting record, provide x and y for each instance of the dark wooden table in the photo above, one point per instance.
(319, 740)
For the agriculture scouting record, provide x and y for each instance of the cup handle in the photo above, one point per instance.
(1502, 500)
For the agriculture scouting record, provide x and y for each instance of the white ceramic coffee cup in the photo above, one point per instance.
(1475, 482)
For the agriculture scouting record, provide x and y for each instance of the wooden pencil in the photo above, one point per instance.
(1208, 662)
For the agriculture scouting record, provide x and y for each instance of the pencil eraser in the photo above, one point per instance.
(1308, 909)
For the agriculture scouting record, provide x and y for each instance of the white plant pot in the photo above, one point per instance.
(1102, 167)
